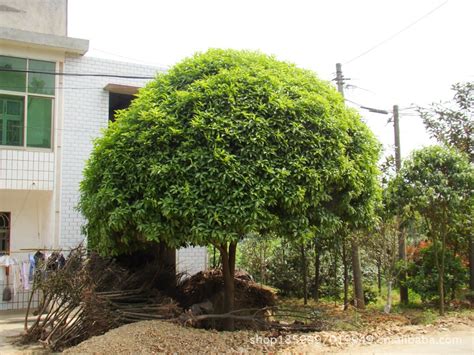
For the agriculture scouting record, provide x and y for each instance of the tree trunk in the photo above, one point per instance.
(346, 276)
(214, 257)
(402, 256)
(471, 263)
(455, 250)
(441, 271)
(440, 277)
(167, 257)
(335, 289)
(388, 305)
(441, 294)
(304, 271)
(379, 276)
(440, 263)
(357, 277)
(317, 264)
(228, 272)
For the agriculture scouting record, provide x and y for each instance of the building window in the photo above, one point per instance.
(26, 102)
(118, 102)
(4, 233)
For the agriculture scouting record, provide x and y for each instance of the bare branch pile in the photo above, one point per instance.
(91, 295)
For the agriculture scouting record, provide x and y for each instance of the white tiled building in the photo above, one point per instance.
(47, 124)
(86, 112)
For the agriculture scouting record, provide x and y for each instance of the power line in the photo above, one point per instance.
(353, 102)
(396, 33)
(162, 66)
(102, 75)
(350, 86)
(370, 109)
(15, 88)
(408, 108)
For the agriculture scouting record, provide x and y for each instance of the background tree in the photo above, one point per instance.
(383, 248)
(437, 183)
(453, 125)
(224, 144)
(256, 253)
(424, 275)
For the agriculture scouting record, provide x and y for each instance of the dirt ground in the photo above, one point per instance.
(449, 336)
(453, 335)
(454, 341)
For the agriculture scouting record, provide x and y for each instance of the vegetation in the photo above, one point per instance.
(236, 148)
(437, 184)
(225, 144)
(452, 124)
(424, 274)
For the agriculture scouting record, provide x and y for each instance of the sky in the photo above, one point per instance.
(402, 52)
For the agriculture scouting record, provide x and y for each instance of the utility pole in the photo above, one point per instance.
(401, 239)
(339, 79)
(398, 164)
(356, 269)
(396, 130)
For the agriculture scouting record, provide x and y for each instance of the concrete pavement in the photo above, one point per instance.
(11, 325)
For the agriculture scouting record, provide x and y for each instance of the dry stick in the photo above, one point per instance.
(60, 321)
(67, 328)
(33, 290)
(75, 333)
(108, 293)
(50, 314)
(59, 311)
(38, 319)
(70, 328)
(142, 315)
(232, 314)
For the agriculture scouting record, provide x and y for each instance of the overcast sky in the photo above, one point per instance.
(418, 65)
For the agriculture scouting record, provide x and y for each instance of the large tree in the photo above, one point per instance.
(452, 123)
(437, 184)
(227, 143)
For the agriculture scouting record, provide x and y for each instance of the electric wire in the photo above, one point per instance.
(388, 39)
(101, 75)
(161, 66)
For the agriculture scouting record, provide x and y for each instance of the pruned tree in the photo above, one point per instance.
(437, 184)
(227, 143)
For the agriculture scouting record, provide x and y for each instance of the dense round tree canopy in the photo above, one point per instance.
(434, 181)
(225, 143)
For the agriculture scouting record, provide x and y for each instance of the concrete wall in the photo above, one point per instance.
(86, 109)
(31, 226)
(32, 219)
(191, 260)
(26, 170)
(86, 106)
(43, 16)
(27, 176)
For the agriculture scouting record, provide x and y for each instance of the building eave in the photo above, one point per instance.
(45, 41)
(121, 89)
